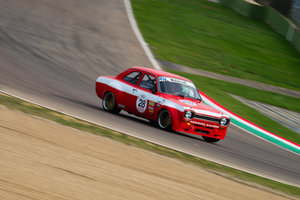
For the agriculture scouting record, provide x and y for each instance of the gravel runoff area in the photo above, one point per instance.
(40, 159)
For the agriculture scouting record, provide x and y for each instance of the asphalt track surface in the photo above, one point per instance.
(52, 51)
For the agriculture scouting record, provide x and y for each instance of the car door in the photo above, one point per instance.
(145, 104)
(130, 91)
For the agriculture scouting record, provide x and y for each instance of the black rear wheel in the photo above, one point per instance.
(210, 140)
(164, 120)
(109, 103)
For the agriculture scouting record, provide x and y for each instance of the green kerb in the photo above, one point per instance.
(265, 136)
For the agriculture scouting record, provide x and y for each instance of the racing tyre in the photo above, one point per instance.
(164, 120)
(210, 140)
(109, 103)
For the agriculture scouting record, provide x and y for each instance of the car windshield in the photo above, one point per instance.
(178, 87)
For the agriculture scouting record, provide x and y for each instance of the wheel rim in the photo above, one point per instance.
(109, 102)
(164, 119)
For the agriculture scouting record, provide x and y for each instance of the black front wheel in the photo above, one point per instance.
(210, 140)
(164, 120)
(109, 103)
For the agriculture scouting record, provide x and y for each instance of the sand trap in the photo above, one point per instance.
(40, 159)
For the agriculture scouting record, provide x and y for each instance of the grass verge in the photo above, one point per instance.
(210, 36)
(245, 178)
(220, 91)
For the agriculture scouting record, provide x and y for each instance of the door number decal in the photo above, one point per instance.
(141, 103)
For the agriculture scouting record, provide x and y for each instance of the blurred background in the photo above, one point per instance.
(289, 8)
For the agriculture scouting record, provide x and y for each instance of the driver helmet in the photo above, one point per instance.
(176, 87)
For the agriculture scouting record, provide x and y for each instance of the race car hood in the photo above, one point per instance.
(195, 105)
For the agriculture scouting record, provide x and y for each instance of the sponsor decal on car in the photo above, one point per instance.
(151, 106)
(151, 103)
(175, 80)
(212, 126)
(197, 123)
(204, 124)
(151, 110)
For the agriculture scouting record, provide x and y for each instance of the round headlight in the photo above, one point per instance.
(188, 114)
(224, 121)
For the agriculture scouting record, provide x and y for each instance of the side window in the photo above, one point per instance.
(133, 77)
(148, 82)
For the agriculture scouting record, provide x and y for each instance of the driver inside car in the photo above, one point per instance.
(175, 88)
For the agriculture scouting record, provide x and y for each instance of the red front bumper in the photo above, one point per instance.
(203, 128)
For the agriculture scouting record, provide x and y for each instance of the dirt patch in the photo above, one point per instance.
(40, 159)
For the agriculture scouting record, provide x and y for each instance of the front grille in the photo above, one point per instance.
(202, 131)
(209, 127)
(213, 119)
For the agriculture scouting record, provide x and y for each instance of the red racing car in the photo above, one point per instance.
(169, 100)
